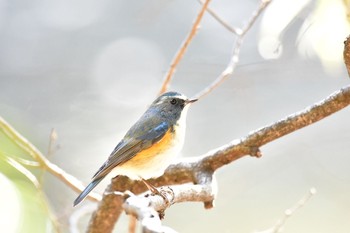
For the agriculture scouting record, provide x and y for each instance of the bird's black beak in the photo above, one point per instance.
(190, 101)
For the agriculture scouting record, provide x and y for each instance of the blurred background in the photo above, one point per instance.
(89, 69)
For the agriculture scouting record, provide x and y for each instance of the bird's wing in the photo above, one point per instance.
(130, 146)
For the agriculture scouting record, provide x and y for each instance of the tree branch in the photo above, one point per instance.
(250, 144)
(146, 207)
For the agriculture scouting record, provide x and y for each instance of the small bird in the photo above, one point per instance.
(149, 146)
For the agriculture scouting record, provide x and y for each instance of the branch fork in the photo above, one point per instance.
(149, 208)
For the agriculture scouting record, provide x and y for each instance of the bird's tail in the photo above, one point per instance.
(87, 190)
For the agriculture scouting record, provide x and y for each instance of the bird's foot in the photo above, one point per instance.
(164, 192)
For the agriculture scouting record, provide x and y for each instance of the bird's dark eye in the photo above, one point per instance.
(173, 101)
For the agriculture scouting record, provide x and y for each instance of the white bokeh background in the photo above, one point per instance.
(90, 68)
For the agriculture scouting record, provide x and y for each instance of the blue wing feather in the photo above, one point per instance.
(141, 136)
(86, 191)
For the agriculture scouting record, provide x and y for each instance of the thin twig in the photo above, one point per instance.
(220, 20)
(255, 15)
(52, 141)
(346, 54)
(289, 212)
(50, 152)
(236, 51)
(24, 144)
(24, 171)
(26, 162)
(183, 48)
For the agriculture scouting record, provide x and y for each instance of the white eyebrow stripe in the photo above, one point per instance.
(171, 97)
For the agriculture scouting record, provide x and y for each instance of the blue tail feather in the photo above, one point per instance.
(87, 190)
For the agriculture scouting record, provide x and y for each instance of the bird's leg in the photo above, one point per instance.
(151, 187)
(154, 190)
